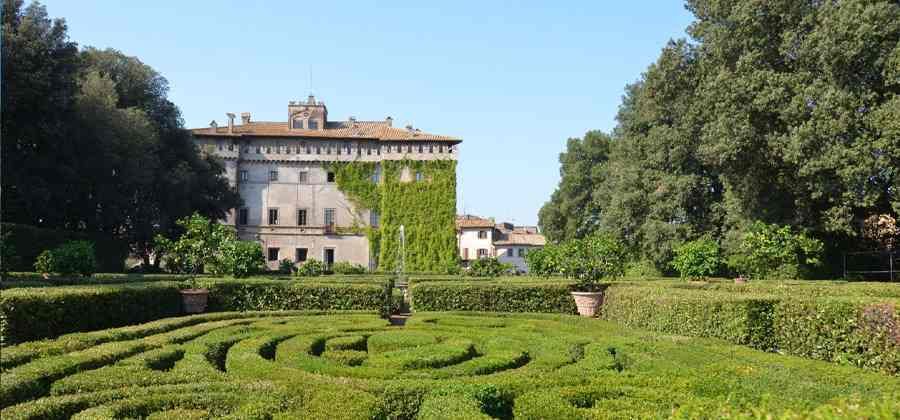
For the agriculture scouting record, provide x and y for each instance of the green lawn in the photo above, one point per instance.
(440, 365)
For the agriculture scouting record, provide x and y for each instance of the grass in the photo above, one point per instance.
(440, 365)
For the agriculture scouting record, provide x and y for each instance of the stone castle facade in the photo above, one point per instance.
(282, 169)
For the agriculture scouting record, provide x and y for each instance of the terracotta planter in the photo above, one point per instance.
(588, 302)
(193, 301)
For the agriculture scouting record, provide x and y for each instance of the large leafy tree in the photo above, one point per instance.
(91, 141)
(779, 111)
(39, 74)
(570, 213)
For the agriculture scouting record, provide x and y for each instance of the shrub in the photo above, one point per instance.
(285, 266)
(641, 269)
(545, 261)
(76, 257)
(29, 241)
(311, 268)
(772, 251)
(488, 267)
(239, 259)
(697, 259)
(346, 267)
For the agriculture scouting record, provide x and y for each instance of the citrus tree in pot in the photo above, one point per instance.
(201, 245)
(587, 261)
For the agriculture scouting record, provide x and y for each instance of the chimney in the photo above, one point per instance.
(390, 121)
(409, 128)
(213, 126)
(230, 122)
(245, 118)
(352, 120)
(311, 100)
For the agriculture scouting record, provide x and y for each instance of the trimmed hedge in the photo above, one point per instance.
(280, 295)
(30, 241)
(492, 297)
(34, 313)
(864, 332)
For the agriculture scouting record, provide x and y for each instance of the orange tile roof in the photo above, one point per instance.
(473, 222)
(533, 239)
(378, 130)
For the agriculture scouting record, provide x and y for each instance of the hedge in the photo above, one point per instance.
(292, 295)
(492, 297)
(30, 241)
(34, 313)
(863, 332)
(32, 279)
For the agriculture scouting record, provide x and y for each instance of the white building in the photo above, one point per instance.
(292, 204)
(482, 238)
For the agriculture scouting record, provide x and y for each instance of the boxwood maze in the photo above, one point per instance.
(440, 365)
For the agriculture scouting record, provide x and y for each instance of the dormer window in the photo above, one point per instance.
(312, 124)
(297, 123)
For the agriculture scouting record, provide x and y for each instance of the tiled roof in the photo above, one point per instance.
(379, 130)
(473, 222)
(533, 239)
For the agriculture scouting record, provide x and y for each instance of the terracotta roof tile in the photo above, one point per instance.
(379, 130)
(533, 239)
(473, 222)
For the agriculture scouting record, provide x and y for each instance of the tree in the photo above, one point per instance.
(785, 112)
(571, 213)
(91, 142)
(39, 68)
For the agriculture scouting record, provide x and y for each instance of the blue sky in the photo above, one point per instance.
(513, 79)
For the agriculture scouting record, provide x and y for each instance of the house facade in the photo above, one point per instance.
(285, 173)
(482, 238)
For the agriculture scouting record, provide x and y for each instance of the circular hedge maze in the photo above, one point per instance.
(321, 366)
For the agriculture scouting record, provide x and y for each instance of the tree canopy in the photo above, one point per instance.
(785, 112)
(91, 141)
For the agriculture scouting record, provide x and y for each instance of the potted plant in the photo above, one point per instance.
(200, 245)
(588, 261)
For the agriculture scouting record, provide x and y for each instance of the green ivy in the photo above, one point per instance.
(426, 208)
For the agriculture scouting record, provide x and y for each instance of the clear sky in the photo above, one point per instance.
(513, 79)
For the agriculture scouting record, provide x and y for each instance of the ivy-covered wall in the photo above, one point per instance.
(425, 207)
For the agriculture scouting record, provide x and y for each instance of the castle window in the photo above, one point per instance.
(297, 123)
(273, 216)
(521, 252)
(420, 148)
(243, 175)
(408, 148)
(430, 148)
(304, 177)
(230, 147)
(301, 255)
(330, 177)
(318, 150)
(219, 144)
(441, 149)
(243, 215)
(369, 149)
(301, 217)
(329, 217)
(273, 254)
(258, 151)
(273, 175)
(268, 149)
(482, 234)
(312, 124)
